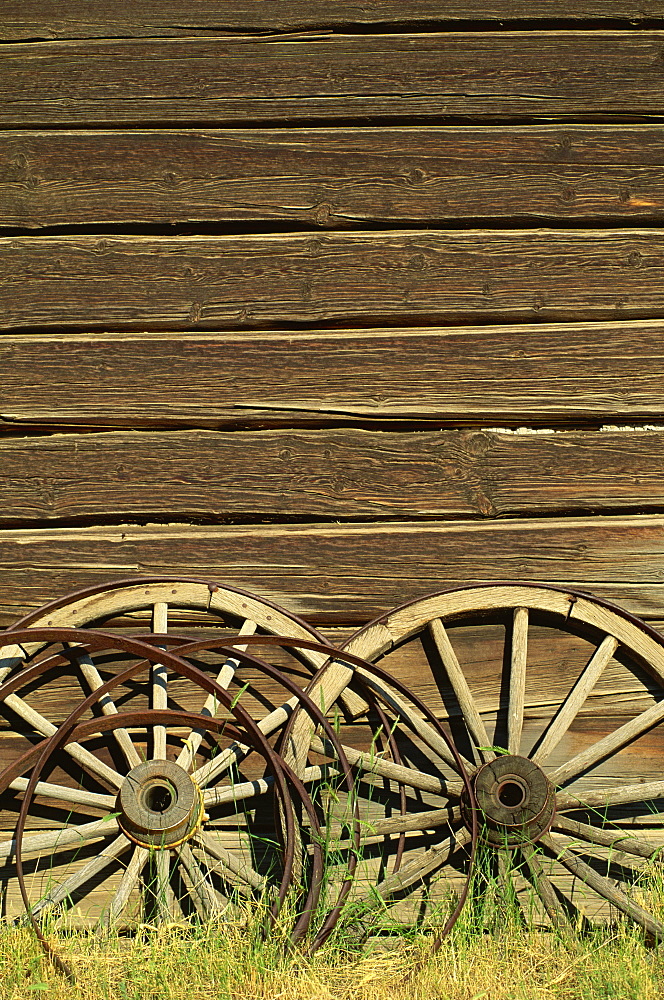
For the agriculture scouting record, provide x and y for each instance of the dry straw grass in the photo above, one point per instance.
(491, 955)
(231, 963)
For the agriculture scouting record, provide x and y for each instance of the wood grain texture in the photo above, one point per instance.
(322, 474)
(366, 278)
(85, 18)
(331, 177)
(203, 80)
(345, 573)
(537, 374)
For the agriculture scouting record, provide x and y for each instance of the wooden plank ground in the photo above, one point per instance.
(532, 374)
(331, 177)
(318, 474)
(496, 75)
(345, 573)
(365, 278)
(43, 19)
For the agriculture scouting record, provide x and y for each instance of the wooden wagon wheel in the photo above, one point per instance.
(126, 606)
(556, 713)
(229, 786)
(144, 795)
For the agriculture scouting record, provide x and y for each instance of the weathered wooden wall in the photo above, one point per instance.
(281, 280)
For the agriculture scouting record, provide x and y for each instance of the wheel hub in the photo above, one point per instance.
(160, 805)
(515, 801)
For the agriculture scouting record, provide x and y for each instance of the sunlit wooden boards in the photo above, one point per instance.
(346, 573)
(336, 474)
(538, 375)
(331, 177)
(404, 277)
(87, 18)
(499, 75)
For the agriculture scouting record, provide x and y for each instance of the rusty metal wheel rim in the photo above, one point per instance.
(367, 675)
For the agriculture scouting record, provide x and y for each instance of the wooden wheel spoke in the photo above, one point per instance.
(413, 721)
(216, 767)
(87, 760)
(79, 796)
(433, 819)
(106, 703)
(648, 791)
(504, 866)
(79, 878)
(544, 888)
(128, 882)
(230, 862)
(609, 744)
(457, 679)
(10, 657)
(161, 889)
(243, 790)
(203, 893)
(370, 763)
(236, 753)
(575, 699)
(518, 658)
(58, 840)
(159, 681)
(603, 887)
(507, 875)
(211, 707)
(619, 840)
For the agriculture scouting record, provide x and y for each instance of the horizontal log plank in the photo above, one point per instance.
(43, 18)
(330, 177)
(534, 374)
(345, 474)
(206, 80)
(366, 278)
(345, 573)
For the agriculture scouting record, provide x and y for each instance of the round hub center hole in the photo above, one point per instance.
(158, 798)
(511, 794)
